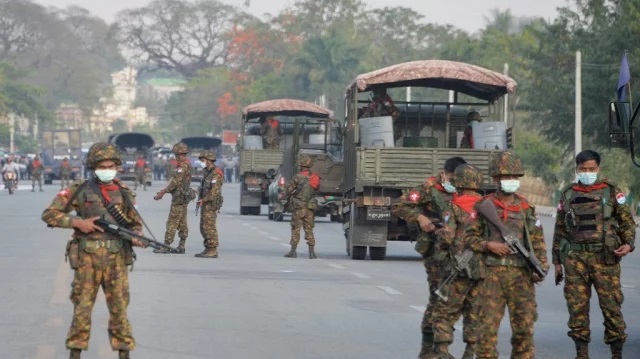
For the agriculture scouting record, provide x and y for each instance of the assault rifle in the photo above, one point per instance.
(489, 211)
(128, 235)
(461, 265)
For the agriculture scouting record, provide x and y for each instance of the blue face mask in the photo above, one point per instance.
(587, 178)
(509, 186)
(449, 187)
(473, 122)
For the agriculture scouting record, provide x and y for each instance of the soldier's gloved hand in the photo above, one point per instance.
(497, 248)
(86, 225)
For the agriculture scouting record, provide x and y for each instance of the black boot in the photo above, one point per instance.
(312, 253)
(181, 244)
(441, 351)
(426, 350)
(616, 349)
(582, 349)
(123, 354)
(292, 253)
(75, 353)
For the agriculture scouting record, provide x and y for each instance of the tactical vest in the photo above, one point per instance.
(588, 214)
(206, 185)
(305, 193)
(516, 223)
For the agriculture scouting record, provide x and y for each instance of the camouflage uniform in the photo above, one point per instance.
(591, 222)
(170, 168)
(211, 196)
(178, 187)
(65, 173)
(434, 202)
(303, 205)
(102, 257)
(463, 292)
(508, 282)
(140, 175)
(271, 132)
(36, 174)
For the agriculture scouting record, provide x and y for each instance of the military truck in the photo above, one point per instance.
(56, 145)
(197, 145)
(131, 145)
(381, 166)
(257, 164)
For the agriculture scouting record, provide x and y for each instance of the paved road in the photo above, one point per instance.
(251, 302)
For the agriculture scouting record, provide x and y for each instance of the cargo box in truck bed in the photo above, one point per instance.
(260, 161)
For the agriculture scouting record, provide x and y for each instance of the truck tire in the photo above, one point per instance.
(358, 252)
(377, 253)
(254, 211)
(244, 210)
(336, 218)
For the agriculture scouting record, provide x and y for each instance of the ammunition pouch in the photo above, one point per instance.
(217, 203)
(312, 204)
(92, 246)
(129, 254)
(611, 243)
(72, 253)
(586, 247)
(424, 244)
(565, 248)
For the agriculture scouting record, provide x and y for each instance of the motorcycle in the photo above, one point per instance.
(10, 182)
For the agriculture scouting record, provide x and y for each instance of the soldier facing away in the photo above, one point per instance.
(36, 169)
(594, 230)
(65, 173)
(140, 169)
(181, 195)
(463, 292)
(508, 281)
(210, 202)
(301, 191)
(99, 259)
(426, 205)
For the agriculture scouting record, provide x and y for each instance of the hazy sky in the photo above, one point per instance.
(465, 14)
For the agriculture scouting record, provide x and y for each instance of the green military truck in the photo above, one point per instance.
(387, 155)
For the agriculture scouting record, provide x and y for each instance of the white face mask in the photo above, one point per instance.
(106, 176)
(588, 178)
(509, 186)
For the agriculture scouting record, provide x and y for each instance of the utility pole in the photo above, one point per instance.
(12, 130)
(578, 104)
(506, 98)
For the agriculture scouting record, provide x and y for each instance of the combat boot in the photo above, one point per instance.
(75, 353)
(181, 244)
(209, 252)
(582, 349)
(426, 352)
(468, 352)
(180, 250)
(123, 354)
(616, 349)
(312, 253)
(441, 351)
(292, 253)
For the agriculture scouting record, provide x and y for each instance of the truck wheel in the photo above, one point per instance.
(358, 252)
(270, 214)
(244, 210)
(254, 211)
(377, 253)
(336, 218)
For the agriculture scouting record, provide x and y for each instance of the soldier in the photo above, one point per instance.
(99, 259)
(594, 230)
(36, 173)
(508, 281)
(65, 173)
(210, 202)
(425, 205)
(140, 171)
(301, 191)
(463, 291)
(271, 133)
(181, 195)
(467, 138)
(170, 167)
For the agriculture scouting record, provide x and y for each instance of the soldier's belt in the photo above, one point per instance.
(95, 244)
(586, 247)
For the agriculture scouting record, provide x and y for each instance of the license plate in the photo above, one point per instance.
(254, 189)
(378, 214)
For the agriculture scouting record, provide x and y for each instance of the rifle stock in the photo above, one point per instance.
(489, 211)
(128, 235)
(461, 265)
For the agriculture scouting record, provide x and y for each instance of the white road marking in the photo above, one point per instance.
(45, 352)
(263, 233)
(389, 290)
(418, 308)
(336, 266)
(628, 286)
(284, 245)
(361, 275)
(286, 271)
(274, 238)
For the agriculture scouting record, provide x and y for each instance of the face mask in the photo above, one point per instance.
(106, 176)
(587, 178)
(449, 187)
(509, 186)
(473, 122)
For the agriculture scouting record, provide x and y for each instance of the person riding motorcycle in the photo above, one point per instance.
(10, 166)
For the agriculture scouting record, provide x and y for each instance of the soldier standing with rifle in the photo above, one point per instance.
(460, 297)
(594, 230)
(510, 274)
(99, 259)
(36, 169)
(210, 202)
(65, 173)
(181, 195)
(427, 205)
(300, 192)
(140, 169)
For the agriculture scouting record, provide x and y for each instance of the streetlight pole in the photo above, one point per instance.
(578, 104)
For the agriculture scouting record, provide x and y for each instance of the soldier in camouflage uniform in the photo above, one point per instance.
(301, 191)
(594, 230)
(508, 281)
(140, 169)
(180, 190)
(271, 133)
(99, 259)
(463, 292)
(210, 202)
(36, 173)
(65, 173)
(425, 205)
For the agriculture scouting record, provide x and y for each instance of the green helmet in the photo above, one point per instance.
(102, 151)
(180, 148)
(506, 163)
(467, 177)
(304, 161)
(208, 155)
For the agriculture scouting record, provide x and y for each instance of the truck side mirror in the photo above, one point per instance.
(619, 124)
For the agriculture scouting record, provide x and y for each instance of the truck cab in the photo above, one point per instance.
(57, 145)
(132, 145)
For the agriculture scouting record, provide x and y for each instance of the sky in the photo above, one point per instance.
(468, 15)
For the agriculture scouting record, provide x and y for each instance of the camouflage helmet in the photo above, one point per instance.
(208, 155)
(467, 176)
(180, 148)
(506, 163)
(102, 151)
(304, 161)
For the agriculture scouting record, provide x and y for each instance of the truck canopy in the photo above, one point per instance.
(132, 141)
(447, 75)
(201, 143)
(286, 107)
